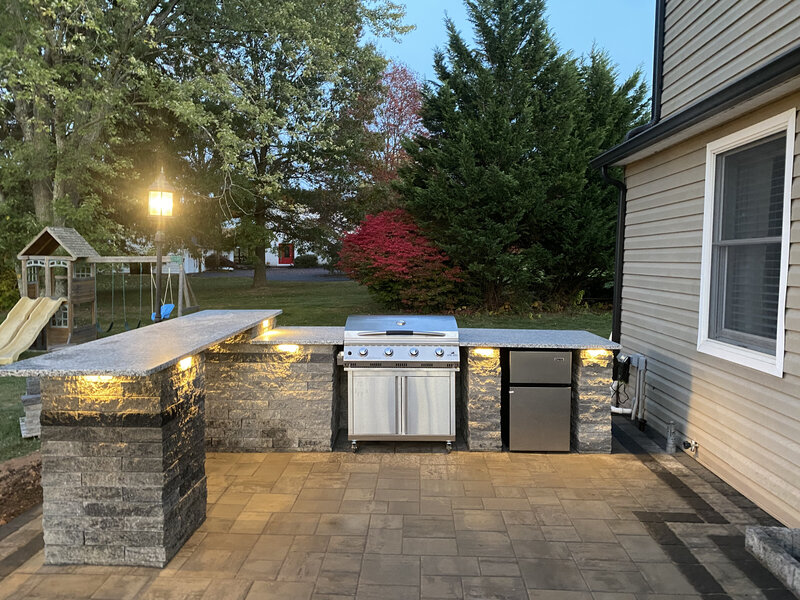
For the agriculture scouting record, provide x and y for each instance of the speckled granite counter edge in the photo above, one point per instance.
(19, 369)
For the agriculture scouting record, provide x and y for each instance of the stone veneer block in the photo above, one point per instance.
(481, 386)
(591, 401)
(778, 549)
(265, 397)
(123, 466)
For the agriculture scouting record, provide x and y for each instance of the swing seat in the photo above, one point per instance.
(166, 311)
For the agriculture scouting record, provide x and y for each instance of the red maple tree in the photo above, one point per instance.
(404, 269)
(396, 118)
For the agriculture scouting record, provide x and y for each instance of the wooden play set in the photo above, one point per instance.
(58, 292)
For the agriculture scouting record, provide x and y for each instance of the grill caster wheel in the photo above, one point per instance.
(354, 446)
(448, 447)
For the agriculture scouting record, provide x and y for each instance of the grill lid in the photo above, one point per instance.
(377, 328)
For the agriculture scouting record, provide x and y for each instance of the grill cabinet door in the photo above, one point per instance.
(373, 407)
(428, 405)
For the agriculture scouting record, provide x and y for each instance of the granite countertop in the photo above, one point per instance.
(533, 338)
(320, 336)
(142, 352)
(495, 338)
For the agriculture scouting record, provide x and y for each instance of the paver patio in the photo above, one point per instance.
(417, 523)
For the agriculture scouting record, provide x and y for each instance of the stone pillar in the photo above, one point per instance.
(262, 397)
(591, 401)
(480, 391)
(123, 466)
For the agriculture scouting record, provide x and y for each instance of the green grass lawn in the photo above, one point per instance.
(303, 303)
(11, 443)
(324, 303)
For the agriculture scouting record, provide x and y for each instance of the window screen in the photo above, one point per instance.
(746, 247)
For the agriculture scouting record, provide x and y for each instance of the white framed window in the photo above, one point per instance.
(745, 257)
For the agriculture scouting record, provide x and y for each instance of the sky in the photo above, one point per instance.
(622, 27)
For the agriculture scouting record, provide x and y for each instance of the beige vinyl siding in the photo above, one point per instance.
(747, 423)
(710, 43)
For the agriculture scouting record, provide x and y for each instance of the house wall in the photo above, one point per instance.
(710, 43)
(747, 423)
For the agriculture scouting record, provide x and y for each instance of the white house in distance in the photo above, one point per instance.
(708, 286)
(281, 254)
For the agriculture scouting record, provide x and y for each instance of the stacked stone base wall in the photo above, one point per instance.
(123, 467)
(262, 398)
(591, 402)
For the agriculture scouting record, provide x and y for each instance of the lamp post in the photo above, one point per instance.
(160, 195)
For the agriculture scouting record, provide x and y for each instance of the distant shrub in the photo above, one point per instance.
(9, 290)
(306, 261)
(399, 265)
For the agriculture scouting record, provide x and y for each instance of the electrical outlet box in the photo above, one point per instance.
(622, 368)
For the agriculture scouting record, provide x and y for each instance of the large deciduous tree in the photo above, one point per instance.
(501, 180)
(301, 77)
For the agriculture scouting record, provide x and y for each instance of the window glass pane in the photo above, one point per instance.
(752, 190)
(746, 248)
(750, 291)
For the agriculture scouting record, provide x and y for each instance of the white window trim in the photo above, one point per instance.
(760, 361)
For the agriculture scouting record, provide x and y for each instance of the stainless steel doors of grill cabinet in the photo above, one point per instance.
(386, 404)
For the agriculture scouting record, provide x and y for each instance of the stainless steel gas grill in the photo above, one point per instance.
(401, 378)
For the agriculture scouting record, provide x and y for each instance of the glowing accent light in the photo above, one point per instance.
(598, 353)
(185, 363)
(288, 347)
(98, 378)
(485, 352)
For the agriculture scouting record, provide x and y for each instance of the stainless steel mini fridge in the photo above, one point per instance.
(539, 401)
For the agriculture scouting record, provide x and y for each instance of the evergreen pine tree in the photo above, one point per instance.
(501, 180)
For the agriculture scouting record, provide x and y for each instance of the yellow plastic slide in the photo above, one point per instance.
(43, 310)
(15, 319)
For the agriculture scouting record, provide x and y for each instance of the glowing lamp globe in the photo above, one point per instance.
(160, 195)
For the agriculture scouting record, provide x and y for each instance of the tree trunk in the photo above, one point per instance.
(260, 270)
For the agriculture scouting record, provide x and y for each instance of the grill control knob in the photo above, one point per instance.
(388, 352)
(362, 352)
(414, 352)
(439, 352)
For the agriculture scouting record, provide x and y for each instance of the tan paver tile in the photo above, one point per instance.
(384, 541)
(450, 565)
(121, 587)
(229, 541)
(309, 493)
(56, 586)
(345, 563)
(616, 581)
(387, 592)
(540, 549)
(310, 543)
(385, 483)
(340, 583)
(593, 530)
(428, 546)
(335, 524)
(259, 569)
(316, 506)
(483, 543)
(386, 522)
(227, 590)
(389, 569)
(479, 520)
(271, 547)
(175, 589)
(347, 543)
(508, 588)
(561, 533)
(419, 526)
(292, 524)
(435, 506)
(551, 574)
(588, 509)
(301, 566)
(499, 567)
(272, 590)
(441, 586)
(271, 503)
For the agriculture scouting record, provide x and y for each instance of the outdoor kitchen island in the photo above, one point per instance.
(127, 420)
